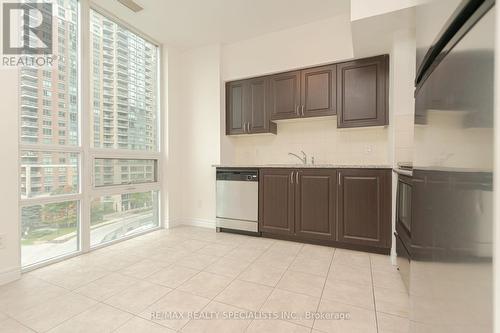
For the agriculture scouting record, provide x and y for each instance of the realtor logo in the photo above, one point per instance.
(27, 28)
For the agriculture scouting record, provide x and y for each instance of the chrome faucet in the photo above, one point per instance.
(302, 159)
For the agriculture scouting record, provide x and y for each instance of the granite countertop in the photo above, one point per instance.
(302, 166)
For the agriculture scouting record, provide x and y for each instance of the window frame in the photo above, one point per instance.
(97, 153)
(155, 172)
(88, 154)
(78, 197)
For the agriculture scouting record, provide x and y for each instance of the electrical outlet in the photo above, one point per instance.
(2, 241)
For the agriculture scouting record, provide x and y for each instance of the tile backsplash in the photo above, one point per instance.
(403, 133)
(317, 137)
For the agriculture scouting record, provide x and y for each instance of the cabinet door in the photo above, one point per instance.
(235, 108)
(257, 109)
(276, 201)
(315, 204)
(364, 206)
(285, 95)
(362, 96)
(319, 91)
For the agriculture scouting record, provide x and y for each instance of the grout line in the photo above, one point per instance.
(373, 292)
(234, 279)
(136, 316)
(8, 317)
(276, 287)
(324, 284)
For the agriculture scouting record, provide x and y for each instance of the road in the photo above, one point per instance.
(100, 234)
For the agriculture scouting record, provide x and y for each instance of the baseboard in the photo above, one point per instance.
(9, 275)
(201, 223)
(171, 223)
(194, 222)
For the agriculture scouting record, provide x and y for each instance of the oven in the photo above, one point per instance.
(403, 225)
(403, 207)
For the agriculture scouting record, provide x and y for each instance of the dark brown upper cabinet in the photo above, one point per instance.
(315, 203)
(247, 107)
(318, 91)
(285, 95)
(356, 91)
(236, 119)
(364, 207)
(258, 113)
(362, 92)
(306, 93)
(276, 201)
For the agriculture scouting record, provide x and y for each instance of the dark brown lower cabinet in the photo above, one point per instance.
(364, 207)
(315, 203)
(339, 207)
(276, 201)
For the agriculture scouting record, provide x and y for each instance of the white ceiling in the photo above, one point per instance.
(191, 23)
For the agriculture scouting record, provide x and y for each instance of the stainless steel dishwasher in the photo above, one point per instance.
(237, 200)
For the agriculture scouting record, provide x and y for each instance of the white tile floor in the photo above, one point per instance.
(187, 269)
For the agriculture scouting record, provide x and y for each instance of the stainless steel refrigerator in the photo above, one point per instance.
(451, 276)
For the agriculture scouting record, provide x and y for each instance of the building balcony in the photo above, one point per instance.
(107, 47)
(29, 124)
(29, 135)
(29, 73)
(29, 96)
(29, 111)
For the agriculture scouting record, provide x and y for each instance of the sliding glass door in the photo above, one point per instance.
(89, 144)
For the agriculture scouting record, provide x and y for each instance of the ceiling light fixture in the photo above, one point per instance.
(132, 5)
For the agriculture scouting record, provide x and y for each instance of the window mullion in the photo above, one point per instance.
(84, 68)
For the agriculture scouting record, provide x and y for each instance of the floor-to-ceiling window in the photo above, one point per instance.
(124, 131)
(89, 174)
(50, 144)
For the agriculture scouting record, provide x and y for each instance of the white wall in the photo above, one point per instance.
(172, 197)
(9, 205)
(496, 185)
(366, 8)
(403, 102)
(193, 130)
(306, 45)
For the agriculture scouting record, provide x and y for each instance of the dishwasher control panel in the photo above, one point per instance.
(238, 175)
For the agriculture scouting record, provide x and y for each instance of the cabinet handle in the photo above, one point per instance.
(297, 109)
(339, 178)
(297, 178)
(291, 177)
(302, 110)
